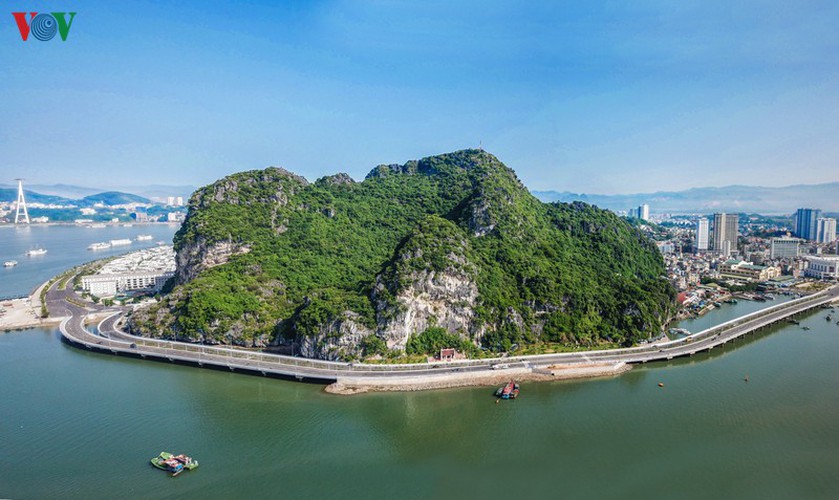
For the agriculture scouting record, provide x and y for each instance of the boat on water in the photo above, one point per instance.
(144, 237)
(36, 251)
(10, 263)
(119, 242)
(174, 463)
(509, 391)
(127, 225)
(97, 226)
(99, 246)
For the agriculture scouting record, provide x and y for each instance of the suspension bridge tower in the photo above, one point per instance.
(22, 215)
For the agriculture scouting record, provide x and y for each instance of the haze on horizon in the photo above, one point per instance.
(595, 97)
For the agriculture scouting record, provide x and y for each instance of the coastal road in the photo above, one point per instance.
(112, 339)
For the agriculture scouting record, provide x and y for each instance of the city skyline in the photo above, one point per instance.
(590, 98)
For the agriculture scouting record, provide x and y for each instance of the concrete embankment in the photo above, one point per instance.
(357, 385)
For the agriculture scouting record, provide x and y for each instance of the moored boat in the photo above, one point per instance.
(509, 391)
(173, 463)
(99, 246)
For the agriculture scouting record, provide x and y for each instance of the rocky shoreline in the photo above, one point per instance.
(348, 386)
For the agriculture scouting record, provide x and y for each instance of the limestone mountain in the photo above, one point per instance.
(451, 245)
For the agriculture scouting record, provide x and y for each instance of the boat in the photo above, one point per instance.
(36, 251)
(10, 263)
(123, 241)
(173, 463)
(127, 225)
(99, 246)
(509, 391)
(144, 237)
(97, 226)
(805, 327)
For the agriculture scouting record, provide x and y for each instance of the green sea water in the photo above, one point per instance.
(75, 424)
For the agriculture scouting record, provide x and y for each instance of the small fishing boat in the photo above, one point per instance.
(509, 391)
(10, 263)
(174, 463)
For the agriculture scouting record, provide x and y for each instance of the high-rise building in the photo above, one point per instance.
(644, 212)
(825, 230)
(725, 230)
(784, 248)
(179, 201)
(170, 201)
(806, 220)
(702, 235)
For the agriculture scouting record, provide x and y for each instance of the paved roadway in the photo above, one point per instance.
(112, 339)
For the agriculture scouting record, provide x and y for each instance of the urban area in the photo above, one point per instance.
(723, 257)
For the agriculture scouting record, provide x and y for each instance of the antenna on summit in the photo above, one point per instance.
(21, 204)
(481, 145)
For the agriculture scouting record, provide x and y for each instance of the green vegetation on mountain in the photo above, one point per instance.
(450, 247)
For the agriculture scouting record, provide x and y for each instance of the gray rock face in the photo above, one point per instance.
(338, 339)
(445, 299)
(193, 258)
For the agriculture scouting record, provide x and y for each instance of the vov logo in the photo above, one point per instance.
(45, 25)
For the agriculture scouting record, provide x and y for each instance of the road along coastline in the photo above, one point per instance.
(354, 378)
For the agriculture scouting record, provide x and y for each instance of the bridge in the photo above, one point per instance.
(111, 339)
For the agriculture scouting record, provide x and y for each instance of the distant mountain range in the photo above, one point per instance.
(106, 198)
(765, 200)
(68, 191)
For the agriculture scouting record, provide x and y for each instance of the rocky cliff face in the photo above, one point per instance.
(430, 282)
(196, 257)
(429, 298)
(339, 338)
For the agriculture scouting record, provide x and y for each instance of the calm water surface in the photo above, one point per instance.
(66, 247)
(75, 424)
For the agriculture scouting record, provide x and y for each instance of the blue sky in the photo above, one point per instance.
(601, 97)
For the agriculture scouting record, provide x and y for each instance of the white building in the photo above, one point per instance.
(644, 212)
(825, 230)
(702, 235)
(108, 285)
(726, 230)
(823, 267)
(784, 248)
